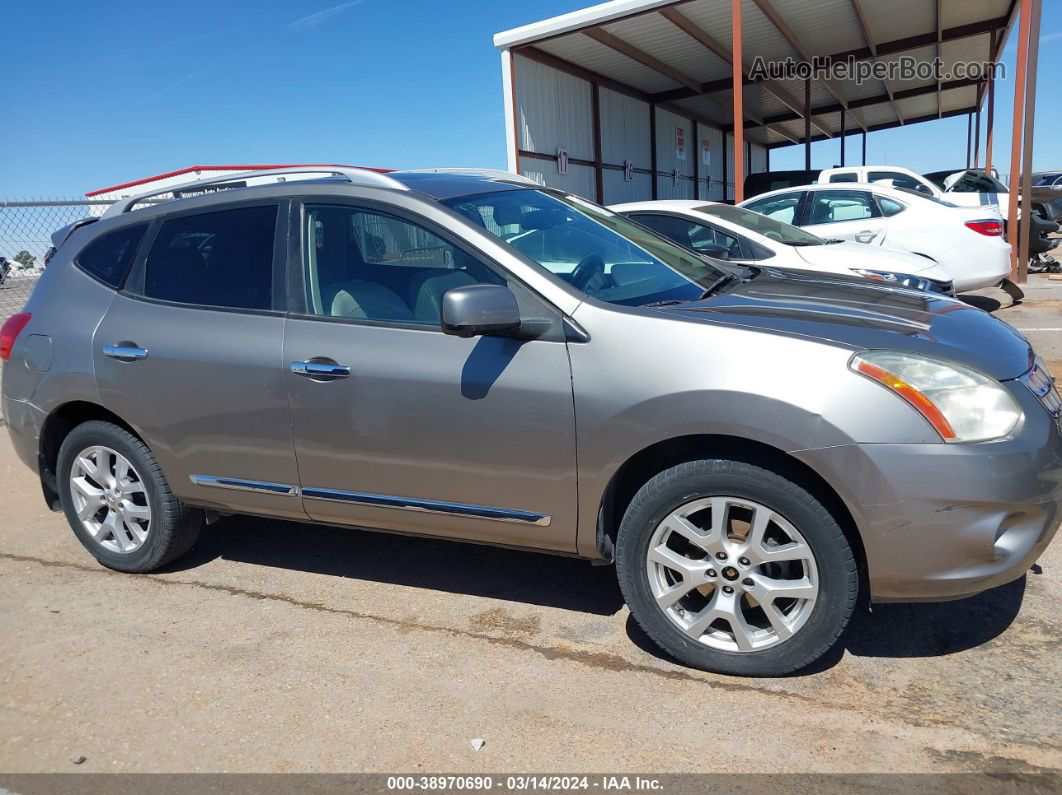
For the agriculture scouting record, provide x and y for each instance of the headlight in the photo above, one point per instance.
(961, 404)
(896, 279)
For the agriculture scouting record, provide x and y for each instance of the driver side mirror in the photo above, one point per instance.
(479, 309)
(715, 250)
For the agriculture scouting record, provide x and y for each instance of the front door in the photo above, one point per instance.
(399, 426)
(189, 353)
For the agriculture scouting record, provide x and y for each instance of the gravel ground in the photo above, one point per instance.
(284, 647)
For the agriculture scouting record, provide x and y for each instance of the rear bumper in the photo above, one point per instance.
(24, 422)
(941, 522)
(992, 265)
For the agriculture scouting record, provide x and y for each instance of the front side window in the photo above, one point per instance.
(218, 259)
(601, 253)
(109, 256)
(781, 208)
(365, 265)
(835, 206)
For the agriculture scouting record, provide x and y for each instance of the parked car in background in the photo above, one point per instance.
(746, 237)
(967, 241)
(970, 187)
(764, 181)
(755, 452)
(5, 268)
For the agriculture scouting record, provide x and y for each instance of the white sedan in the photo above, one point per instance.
(743, 236)
(968, 241)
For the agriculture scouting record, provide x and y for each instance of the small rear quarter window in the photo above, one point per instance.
(108, 257)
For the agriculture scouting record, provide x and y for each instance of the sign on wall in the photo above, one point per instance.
(628, 170)
(680, 143)
(562, 161)
(706, 153)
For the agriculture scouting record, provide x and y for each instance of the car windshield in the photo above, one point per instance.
(926, 196)
(765, 225)
(599, 252)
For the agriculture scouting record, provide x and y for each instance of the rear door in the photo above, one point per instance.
(190, 354)
(845, 214)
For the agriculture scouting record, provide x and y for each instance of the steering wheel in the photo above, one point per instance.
(589, 267)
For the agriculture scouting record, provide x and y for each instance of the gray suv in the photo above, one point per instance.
(472, 356)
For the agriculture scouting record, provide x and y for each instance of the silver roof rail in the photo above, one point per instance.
(479, 172)
(356, 176)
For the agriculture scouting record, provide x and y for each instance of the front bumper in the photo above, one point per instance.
(946, 521)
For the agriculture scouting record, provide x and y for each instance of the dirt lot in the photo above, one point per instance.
(286, 647)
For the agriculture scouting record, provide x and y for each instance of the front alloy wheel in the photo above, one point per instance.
(732, 573)
(734, 568)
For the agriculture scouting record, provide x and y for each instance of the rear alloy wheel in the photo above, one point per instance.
(110, 499)
(732, 568)
(118, 502)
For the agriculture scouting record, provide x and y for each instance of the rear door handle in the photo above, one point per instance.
(320, 370)
(125, 353)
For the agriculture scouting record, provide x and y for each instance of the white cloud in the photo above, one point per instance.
(319, 18)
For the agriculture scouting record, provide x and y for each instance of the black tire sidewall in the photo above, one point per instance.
(108, 435)
(833, 557)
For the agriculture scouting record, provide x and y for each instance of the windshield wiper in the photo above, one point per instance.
(710, 290)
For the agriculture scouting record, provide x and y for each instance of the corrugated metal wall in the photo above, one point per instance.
(554, 111)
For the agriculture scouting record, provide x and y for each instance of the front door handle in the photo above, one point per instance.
(320, 370)
(125, 352)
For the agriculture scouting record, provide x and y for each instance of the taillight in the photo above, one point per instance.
(991, 228)
(9, 333)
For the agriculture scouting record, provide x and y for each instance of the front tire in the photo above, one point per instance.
(118, 502)
(732, 568)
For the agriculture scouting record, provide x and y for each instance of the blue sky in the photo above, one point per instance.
(98, 93)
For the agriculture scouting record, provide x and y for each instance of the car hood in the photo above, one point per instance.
(865, 315)
(840, 257)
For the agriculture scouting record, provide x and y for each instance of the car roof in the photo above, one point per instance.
(449, 184)
(660, 204)
(882, 190)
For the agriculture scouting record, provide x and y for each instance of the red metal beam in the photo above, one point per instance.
(1021, 66)
(739, 99)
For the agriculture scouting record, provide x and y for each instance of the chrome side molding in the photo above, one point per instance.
(428, 506)
(244, 485)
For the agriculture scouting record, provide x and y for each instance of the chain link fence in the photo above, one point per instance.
(25, 236)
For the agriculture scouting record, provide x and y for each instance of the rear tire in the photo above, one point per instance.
(765, 591)
(118, 502)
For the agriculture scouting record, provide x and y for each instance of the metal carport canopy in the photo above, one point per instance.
(677, 55)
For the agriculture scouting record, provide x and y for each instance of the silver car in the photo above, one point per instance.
(471, 356)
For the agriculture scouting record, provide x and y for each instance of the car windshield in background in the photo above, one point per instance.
(601, 253)
(925, 196)
(768, 227)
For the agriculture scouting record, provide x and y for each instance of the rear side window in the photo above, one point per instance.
(889, 207)
(846, 176)
(222, 259)
(109, 256)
